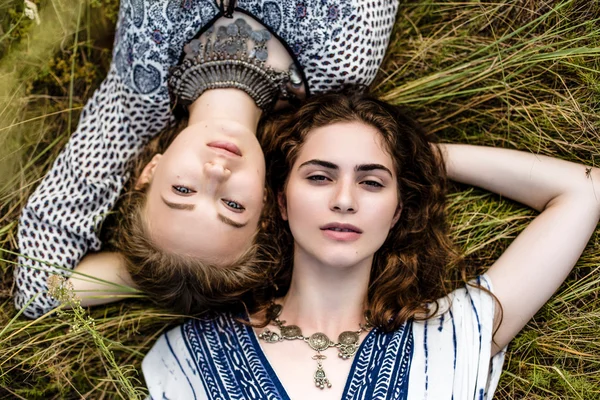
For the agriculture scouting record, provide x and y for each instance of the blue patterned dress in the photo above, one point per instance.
(445, 358)
(335, 42)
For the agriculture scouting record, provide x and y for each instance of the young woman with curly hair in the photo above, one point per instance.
(364, 267)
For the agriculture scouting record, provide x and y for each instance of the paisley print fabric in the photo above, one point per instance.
(336, 42)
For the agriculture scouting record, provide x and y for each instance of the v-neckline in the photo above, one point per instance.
(273, 375)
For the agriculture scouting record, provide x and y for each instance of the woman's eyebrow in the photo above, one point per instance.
(321, 163)
(372, 167)
(358, 168)
(231, 222)
(178, 206)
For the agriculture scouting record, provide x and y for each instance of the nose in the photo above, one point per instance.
(344, 199)
(216, 173)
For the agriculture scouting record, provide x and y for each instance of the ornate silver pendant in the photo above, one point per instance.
(348, 344)
(269, 336)
(320, 378)
(291, 332)
(319, 341)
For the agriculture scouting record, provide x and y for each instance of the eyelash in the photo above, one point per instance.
(233, 205)
(318, 178)
(183, 190)
(374, 184)
(323, 178)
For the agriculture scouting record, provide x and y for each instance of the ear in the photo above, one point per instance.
(282, 203)
(396, 215)
(148, 172)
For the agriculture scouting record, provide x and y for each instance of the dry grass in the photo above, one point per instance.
(519, 74)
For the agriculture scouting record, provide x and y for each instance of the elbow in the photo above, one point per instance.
(580, 191)
(592, 190)
(585, 193)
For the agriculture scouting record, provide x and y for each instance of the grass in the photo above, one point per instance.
(522, 75)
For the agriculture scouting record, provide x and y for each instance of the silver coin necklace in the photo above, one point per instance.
(347, 344)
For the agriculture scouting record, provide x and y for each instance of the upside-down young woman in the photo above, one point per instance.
(193, 212)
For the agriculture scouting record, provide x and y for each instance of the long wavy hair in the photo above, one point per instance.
(414, 267)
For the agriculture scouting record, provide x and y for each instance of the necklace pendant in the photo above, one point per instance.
(321, 380)
(269, 336)
(319, 342)
(348, 344)
(347, 351)
(291, 332)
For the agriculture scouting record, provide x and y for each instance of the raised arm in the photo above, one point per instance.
(60, 222)
(540, 258)
(102, 278)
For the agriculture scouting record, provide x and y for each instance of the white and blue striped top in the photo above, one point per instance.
(446, 357)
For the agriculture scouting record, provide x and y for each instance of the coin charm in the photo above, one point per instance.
(348, 337)
(347, 351)
(348, 344)
(269, 336)
(319, 341)
(291, 332)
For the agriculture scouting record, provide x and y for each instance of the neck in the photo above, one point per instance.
(233, 105)
(324, 298)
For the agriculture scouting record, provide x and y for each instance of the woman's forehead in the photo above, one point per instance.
(346, 141)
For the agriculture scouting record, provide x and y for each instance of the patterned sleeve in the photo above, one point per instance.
(59, 223)
(452, 353)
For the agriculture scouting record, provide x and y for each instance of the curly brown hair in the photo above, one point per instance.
(413, 267)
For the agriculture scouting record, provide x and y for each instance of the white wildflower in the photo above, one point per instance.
(31, 11)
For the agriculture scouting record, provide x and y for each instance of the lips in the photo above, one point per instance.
(225, 147)
(341, 232)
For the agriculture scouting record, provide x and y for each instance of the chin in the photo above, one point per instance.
(343, 260)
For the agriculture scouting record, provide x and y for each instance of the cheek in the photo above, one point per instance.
(253, 177)
(293, 203)
(382, 212)
(249, 182)
(302, 203)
